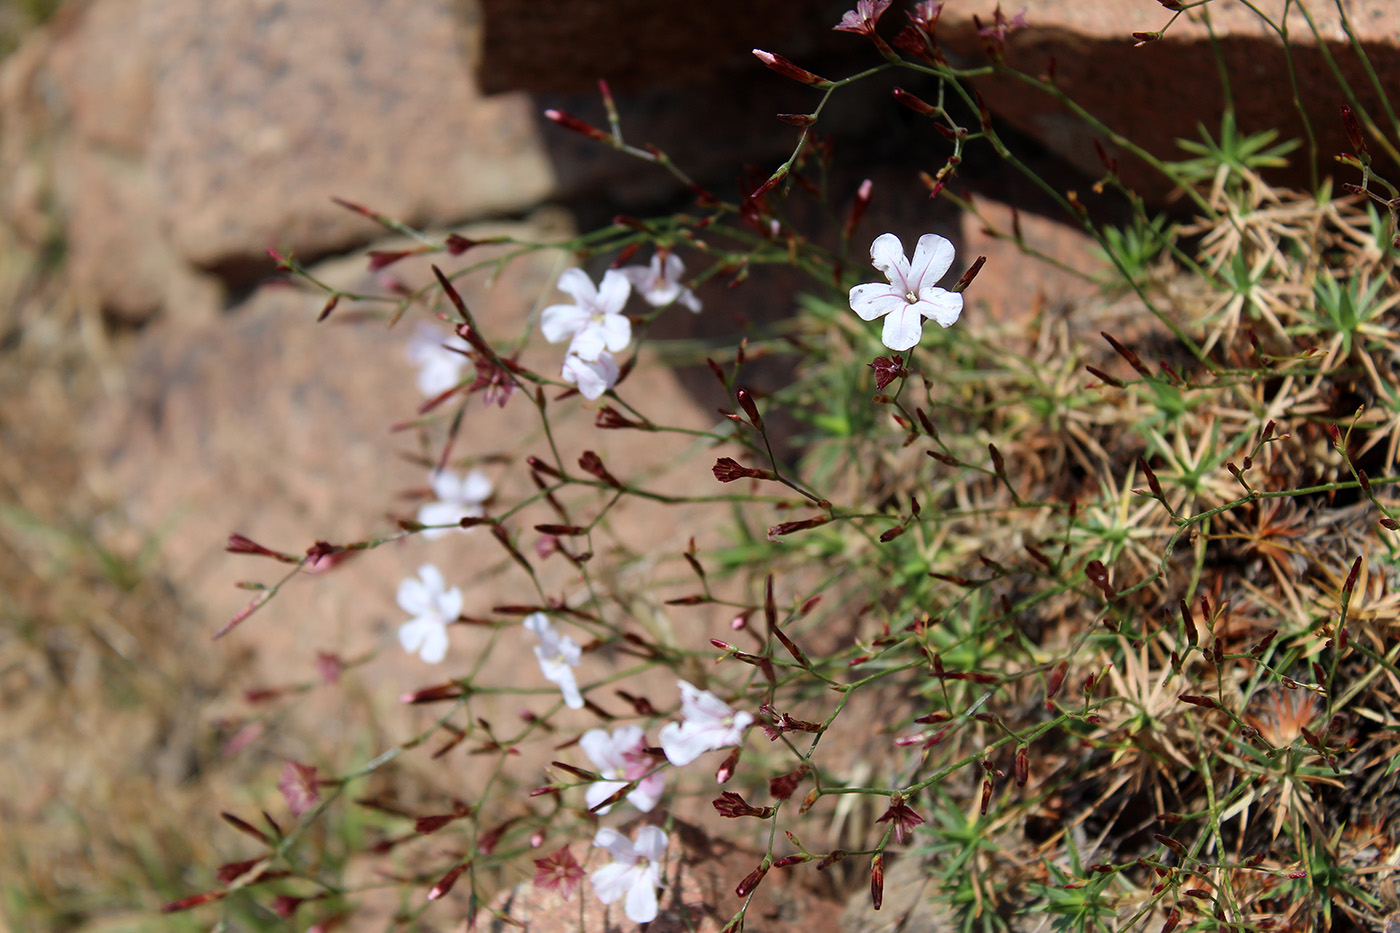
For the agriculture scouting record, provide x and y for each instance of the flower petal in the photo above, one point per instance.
(476, 487)
(903, 328)
(599, 791)
(942, 306)
(872, 301)
(413, 597)
(577, 283)
(604, 751)
(560, 322)
(648, 792)
(612, 881)
(683, 742)
(437, 513)
(887, 255)
(616, 843)
(641, 905)
(932, 257)
(613, 292)
(650, 843)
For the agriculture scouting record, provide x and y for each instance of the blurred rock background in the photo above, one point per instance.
(158, 393)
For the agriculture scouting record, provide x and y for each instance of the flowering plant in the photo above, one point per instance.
(941, 589)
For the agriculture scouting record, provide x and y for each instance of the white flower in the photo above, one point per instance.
(458, 497)
(660, 282)
(709, 724)
(439, 364)
(593, 377)
(594, 322)
(619, 759)
(558, 656)
(433, 608)
(635, 873)
(911, 294)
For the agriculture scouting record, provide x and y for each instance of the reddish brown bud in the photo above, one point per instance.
(592, 464)
(1106, 378)
(787, 528)
(1188, 620)
(915, 104)
(1057, 679)
(733, 806)
(725, 771)
(966, 278)
(1023, 766)
(329, 306)
(1171, 843)
(746, 402)
(1203, 702)
(746, 887)
(570, 122)
(797, 119)
(1354, 134)
(1350, 583)
(788, 70)
(238, 544)
(446, 882)
(784, 785)
(877, 880)
(1098, 575)
(728, 470)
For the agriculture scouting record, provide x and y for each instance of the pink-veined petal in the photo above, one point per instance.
(577, 283)
(604, 751)
(932, 257)
(942, 306)
(616, 843)
(641, 905)
(648, 792)
(887, 255)
(874, 300)
(701, 705)
(617, 332)
(651, 843)
(599, 791)
(560, 322)
(903, 328)
(683, 743)
(613, 292)
(612, 881)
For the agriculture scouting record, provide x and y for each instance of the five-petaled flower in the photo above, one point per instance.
(594, 322)
(621, 758)
(458, 497)
(862, 19)
(902, 816)
(660, 282)
(433, 608)
(911, 294)
(560, 872)
(558, 656)
(593, 377)
(635, 872)
(440, 359)
(709, 723)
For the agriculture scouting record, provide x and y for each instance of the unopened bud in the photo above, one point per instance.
(789, 70)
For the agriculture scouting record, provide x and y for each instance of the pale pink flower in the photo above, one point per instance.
(558, 656)
(620, 758)
(594, 322)
(911, 294)
(458, 497)
(634, 876)
(709, 723)
(433, 608)
(660, 282)
(862, 19)
(436, 355)
(593, 377)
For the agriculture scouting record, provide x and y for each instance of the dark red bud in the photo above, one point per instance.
(877, 880)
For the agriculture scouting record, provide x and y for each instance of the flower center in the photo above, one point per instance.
(912, 298)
